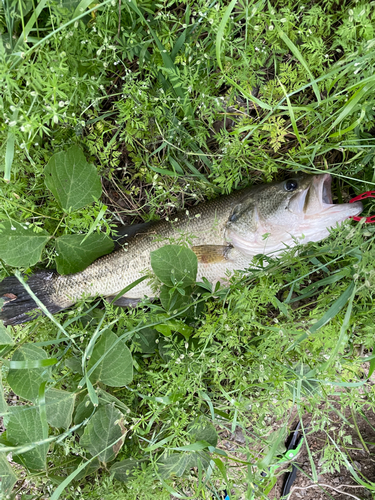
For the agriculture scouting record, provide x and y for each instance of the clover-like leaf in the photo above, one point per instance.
(72, 180)
(74, 256)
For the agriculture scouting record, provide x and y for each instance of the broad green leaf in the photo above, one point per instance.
(20, 246)
(174, 325)
(172, 299)
(83, 410)
(59, 407)
(104, 434)
(74, 257)
(26, 382)
(89, 469)
(74, 364)
(25, 427)
(203, 430)
(174, 264)
(8, 478)
(3, 403)
(5, 336)
(123, 471)
(371, 368)
(178, 463)
(74, 182)
(115, 364)
(147, 340)
(105, 398)
(85, 407)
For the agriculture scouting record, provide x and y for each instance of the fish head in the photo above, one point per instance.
(274, 216)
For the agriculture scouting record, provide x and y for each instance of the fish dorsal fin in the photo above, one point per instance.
(210, 254)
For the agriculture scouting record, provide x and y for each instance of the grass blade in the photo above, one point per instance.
(297, 54)
(9, 155)
(330, 314)
(30, 24)
(96, 222)
(334, 309)
(220, 31)
(350, 106)
(291, 114)
(81, 7)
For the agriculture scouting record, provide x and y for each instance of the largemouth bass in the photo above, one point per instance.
(225, 234)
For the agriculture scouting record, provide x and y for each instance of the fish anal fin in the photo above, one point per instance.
(210, 254)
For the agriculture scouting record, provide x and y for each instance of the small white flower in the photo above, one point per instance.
(271, 27)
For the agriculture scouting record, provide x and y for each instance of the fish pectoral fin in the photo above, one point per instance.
(210, 254)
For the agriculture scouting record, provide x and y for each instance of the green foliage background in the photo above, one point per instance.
(175, 103)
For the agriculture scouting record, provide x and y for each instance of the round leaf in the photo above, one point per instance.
(174, 264)
(20, 246)
(74, 182)
(74, 256)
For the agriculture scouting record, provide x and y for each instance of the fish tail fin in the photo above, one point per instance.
(18, 304)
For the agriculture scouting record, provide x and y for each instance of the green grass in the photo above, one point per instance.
(176, 103)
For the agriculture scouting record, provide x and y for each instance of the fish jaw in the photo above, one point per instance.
(307, 217)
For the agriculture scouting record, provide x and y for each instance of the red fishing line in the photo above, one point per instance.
(366, 194)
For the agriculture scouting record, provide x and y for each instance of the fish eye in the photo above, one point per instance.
(290, 185)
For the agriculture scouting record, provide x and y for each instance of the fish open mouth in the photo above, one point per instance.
(319, 194)
(326, 192)
(317, 198)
